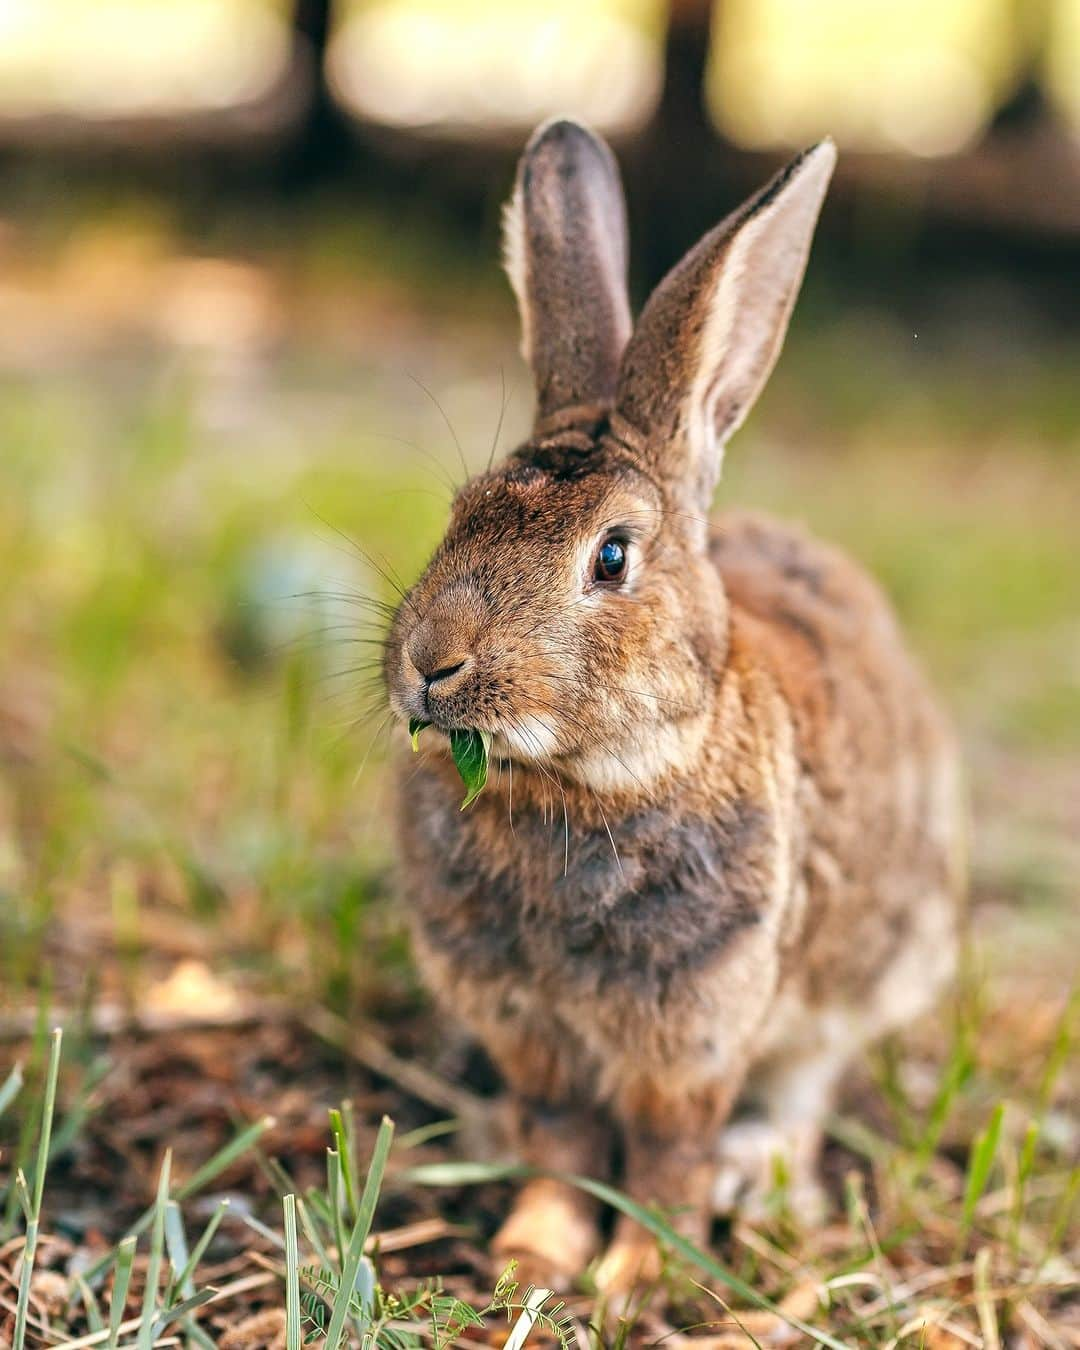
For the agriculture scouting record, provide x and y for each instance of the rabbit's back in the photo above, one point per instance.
(881, 809)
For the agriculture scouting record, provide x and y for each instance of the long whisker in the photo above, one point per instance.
(619, 689)
(554, 778)
(589, 735)
(442, 413)
(383, 726)
(362, 553)
(607, 827)
(446, 479)
(504, 401)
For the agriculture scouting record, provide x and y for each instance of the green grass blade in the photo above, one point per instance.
(1061, 1050)
(608, 1195)
(311, 1232)
(263, 1230)
(94, 1320)
(195, 1333)
(361, 1229)
(462, 1173)
(337, 1128)
(24, 1147)
(22, 1191)
(77, 1114)
(177, 1248)
(22, 1310)
(47, 1113)
(166, 1316)
(184, 1281)
(1024, 1166)
(11, 1088)
(319, 1204)
(202, 1177)
(980, 1161)
(333, 1194)
(425, 1133)
(225, 1156)
(1063, 1218)
(125, 1259)
(31, 1203)
(145, 1339)
(293, 1330)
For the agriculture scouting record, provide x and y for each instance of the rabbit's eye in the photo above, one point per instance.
(610, 561)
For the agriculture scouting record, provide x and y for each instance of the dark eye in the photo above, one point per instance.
(610, 561)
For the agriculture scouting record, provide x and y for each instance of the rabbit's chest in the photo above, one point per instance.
(638, 910)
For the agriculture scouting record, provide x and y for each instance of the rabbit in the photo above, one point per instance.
(721, 848)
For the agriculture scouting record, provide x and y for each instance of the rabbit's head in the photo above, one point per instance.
(571, 609)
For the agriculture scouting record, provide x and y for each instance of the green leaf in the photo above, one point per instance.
(470, 750)
(980, 1161)
(416, 726)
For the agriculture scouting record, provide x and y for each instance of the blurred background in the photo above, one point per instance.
(252, 330)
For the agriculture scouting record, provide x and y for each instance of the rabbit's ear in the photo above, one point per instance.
(709, 337)
(565, 252)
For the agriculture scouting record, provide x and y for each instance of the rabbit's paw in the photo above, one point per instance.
(765, 1167)
(548, 1235)
(632, 1262)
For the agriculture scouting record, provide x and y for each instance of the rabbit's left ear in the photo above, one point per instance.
(709, 337)
(565, 251)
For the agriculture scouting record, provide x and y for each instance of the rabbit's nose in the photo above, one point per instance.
(446, 672)
(438, 663)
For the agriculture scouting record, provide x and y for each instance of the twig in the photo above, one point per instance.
(984, 1304)
(241, 1286)
(361, 1042)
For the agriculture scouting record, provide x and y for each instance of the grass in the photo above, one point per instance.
(192, 814)
(947, 1248)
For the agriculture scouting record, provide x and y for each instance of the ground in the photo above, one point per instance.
(212, 444)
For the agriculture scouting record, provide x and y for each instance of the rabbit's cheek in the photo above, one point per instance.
(530, 737)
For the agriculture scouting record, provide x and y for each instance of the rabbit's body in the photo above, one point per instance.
(719, 849)
(765, 898)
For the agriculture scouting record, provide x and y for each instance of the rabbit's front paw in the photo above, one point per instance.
(632, 1262)
(550, 1236)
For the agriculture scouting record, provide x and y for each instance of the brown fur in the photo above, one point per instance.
(717, 853)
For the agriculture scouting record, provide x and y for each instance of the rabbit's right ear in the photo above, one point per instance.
(565, 251)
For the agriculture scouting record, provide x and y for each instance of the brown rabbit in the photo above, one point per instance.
(720, 849)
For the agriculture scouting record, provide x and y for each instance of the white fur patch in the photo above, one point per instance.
(635, 764)
(530, 738)
(516, 264)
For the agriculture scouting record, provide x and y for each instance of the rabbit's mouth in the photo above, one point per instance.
(528, 739)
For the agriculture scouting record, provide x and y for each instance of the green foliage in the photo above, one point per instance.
(470, 750)
(425, 1315)
(983, 1151)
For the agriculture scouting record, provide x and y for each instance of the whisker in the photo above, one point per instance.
(383, 726)
(504, 401)
(620, 689)
(446, 479)
(362, 553)
(442, 413)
